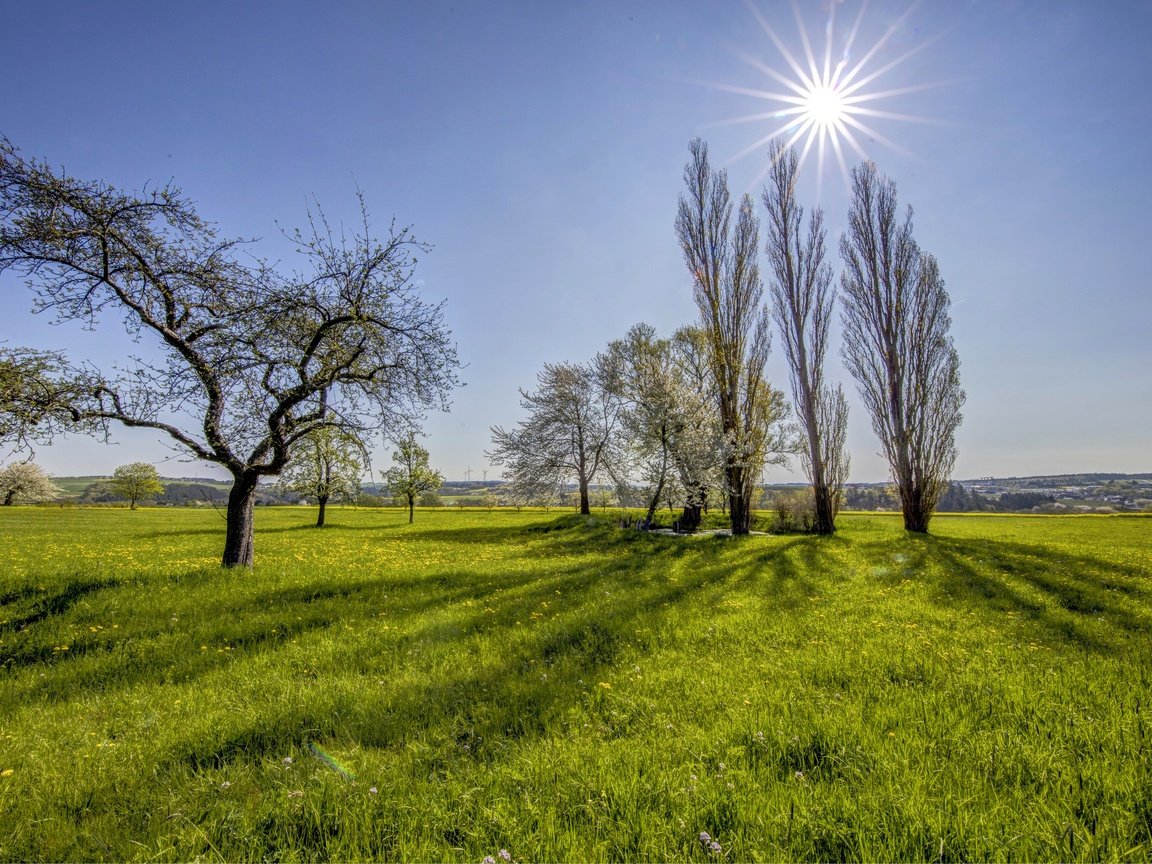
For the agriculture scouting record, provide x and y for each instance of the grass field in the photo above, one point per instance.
(564, 690)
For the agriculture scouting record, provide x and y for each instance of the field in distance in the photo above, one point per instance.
(562, 689)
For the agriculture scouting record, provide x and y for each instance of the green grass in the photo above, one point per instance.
(559, 688)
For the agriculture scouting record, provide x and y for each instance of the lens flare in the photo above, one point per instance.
(329, 760)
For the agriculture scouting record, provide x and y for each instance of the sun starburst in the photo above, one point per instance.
(827, 105)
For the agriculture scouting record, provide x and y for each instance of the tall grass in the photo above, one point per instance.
(561, 689)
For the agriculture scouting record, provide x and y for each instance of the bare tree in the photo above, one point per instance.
(244, 361)
(897, 345)
(411, 475)
(324, 465)
(802, 301)
(570, 434)
(25, 482)
(722, 260)
(136, 482)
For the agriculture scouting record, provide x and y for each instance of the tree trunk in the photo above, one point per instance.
(821, 494)
(695, 505)
(916, 512)
(411, 508)
(690, 518)
(238, 538)
(825, 512)
(655, 502)
(739, 505)
(322, 500)
(9, 498)
(585, 510)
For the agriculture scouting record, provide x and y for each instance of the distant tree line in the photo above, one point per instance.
(956, 498)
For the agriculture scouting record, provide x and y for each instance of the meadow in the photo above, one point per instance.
(555, 688)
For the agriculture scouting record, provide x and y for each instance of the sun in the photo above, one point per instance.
(827, 106)
(823, 107)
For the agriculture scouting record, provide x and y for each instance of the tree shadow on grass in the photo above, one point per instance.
(611, 589)
(31, 605)
(1098, 605)
(329, 527)
(610, 611)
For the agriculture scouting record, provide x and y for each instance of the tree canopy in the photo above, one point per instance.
(136, 482)
(722, 258)
(25, 483)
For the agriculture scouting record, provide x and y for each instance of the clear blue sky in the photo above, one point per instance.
(539, 146)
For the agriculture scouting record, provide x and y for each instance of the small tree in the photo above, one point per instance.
(136, 482)
(570, 433)
(26, 482)
(698, 446)
(327, 464)
(897, 345)
(411, 474)
(666, 421)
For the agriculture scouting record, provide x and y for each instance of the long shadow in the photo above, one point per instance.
(476, 711)
(162, 534)
(508, 699)
(31, 605)
(1096, 604)
(329, 528)
(592, 546)
(488, 704)
(323, 604)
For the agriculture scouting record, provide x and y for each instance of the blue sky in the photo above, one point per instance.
(539, 147)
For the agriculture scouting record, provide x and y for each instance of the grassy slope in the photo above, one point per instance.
(568, 691)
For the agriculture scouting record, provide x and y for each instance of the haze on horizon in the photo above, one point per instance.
(539, 148)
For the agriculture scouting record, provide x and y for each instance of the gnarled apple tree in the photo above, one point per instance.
(238, 360)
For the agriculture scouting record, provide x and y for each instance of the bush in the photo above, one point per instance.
(794, 512)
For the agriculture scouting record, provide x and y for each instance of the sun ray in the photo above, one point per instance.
(761, 94)
(897, 91)
(770, 72)
(876, 136)
(841, 132)
(890, 66)
(892, 115)
(806, 43)
(750, 118)
(784, 52)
